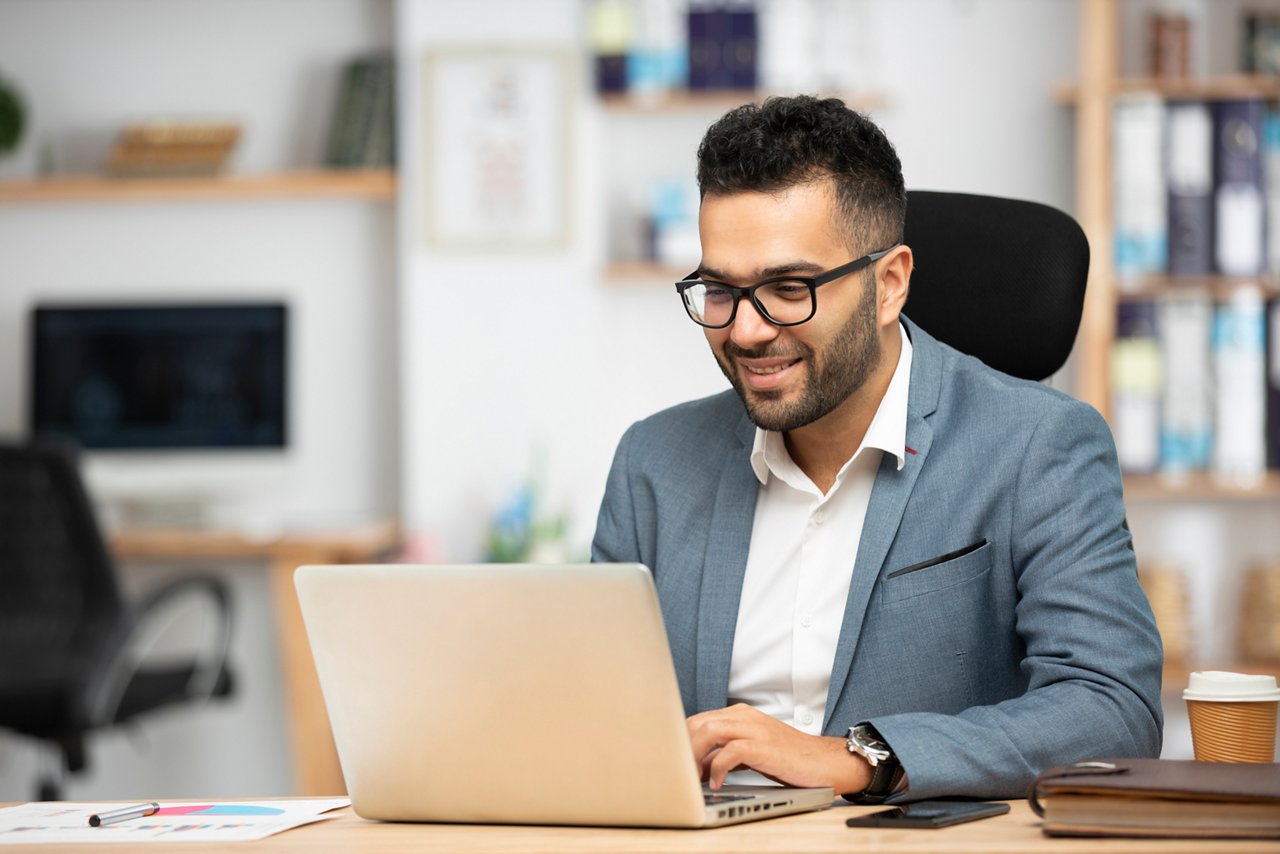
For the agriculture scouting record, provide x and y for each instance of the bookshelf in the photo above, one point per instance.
(374, 185)
(1223, 87)
(1093, 97)
(1154, 497)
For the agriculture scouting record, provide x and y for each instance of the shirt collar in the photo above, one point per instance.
(887, 432)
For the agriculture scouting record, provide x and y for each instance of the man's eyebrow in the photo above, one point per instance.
(787, 269)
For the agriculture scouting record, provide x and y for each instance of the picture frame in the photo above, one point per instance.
(498, 147)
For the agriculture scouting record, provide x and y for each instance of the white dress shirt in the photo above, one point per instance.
(800, 563)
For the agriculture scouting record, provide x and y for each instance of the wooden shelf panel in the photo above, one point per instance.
(1220, 88)
(375, 185)
(1218, 287)
(719, 100)
(1199, 486)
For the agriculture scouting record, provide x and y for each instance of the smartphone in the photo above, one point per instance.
(929, 814)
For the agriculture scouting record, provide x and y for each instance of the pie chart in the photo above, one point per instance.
(220, 809)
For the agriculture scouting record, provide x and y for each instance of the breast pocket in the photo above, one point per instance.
(939, 573)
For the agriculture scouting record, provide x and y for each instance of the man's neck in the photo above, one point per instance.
(822, 448)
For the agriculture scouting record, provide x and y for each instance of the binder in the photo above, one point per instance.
(742, 49)
(1239, 208)
(1135, 386)
(1190, 188)
(708, 26)
(1186, 419)
(1138, 182)
(1239, 451)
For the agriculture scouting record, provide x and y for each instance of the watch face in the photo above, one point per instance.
(864, 741)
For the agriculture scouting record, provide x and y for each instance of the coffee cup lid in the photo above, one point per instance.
(1220, 686)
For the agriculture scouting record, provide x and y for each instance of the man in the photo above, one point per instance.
(883, 566)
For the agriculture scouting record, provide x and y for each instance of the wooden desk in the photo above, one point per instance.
(315, 760)
(812, 833)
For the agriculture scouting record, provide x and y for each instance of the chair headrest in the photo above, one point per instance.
(999, 279)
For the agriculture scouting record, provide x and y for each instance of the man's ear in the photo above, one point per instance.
(895, 283)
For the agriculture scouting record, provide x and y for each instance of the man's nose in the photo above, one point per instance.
(750, 329)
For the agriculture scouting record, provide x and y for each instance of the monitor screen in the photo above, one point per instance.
(160, 376)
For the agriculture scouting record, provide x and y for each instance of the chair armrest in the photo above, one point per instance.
(117, 667)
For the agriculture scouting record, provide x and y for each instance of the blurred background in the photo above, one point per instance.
(409, 264)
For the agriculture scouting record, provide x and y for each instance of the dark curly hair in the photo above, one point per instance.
(785, 142)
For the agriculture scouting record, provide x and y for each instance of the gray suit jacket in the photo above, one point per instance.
(994, 625)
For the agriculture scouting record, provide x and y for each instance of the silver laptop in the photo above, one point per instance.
(512, 694)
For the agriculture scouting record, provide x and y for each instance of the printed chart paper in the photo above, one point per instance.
(177, 821)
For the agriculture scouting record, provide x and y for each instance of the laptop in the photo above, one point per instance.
(512, 694)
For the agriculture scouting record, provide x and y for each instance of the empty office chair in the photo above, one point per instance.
(68, 663)
(999, 279)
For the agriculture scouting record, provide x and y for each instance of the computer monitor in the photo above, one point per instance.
(160, 376)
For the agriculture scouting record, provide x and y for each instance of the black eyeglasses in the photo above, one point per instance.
(783, 301)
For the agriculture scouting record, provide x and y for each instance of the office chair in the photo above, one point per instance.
(999, 279)
(67, 635)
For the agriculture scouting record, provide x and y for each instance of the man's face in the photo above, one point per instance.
(792, 376)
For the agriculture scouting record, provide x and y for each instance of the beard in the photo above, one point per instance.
(832, 376)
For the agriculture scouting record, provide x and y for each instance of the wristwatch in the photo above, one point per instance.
(866, 742)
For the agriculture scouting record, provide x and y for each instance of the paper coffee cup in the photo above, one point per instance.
(1233, 716)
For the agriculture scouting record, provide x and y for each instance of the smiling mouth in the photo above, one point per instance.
(766, 370)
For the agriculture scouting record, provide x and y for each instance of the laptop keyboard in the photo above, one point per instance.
(711, 799)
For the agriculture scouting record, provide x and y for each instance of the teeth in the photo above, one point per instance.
(773, 370)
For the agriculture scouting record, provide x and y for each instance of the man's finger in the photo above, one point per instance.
(726, 759)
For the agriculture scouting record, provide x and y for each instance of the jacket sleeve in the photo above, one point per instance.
(1092, 658)
(617, 539)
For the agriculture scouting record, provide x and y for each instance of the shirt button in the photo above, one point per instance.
(806, 621)
(806, 719)
(819, 517)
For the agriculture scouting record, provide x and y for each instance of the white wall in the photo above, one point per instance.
(86, 69)
(552, 355)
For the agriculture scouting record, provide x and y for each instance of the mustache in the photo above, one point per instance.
(793, 351)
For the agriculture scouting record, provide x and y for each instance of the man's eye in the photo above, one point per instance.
(789, 290)
(718, 294)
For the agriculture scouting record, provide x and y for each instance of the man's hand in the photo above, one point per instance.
(740, 735)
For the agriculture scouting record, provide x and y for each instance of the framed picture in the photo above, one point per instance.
(497, 147)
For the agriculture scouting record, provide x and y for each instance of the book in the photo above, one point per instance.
(1260, 43)
(1239, 208)
(1160, 798)
(362, 129)
(344, 124)
(1138, 185)
(1190, 188)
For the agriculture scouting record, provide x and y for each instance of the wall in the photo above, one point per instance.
(86, 69)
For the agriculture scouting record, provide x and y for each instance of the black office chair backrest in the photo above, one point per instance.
(999, 279)
(58, 590)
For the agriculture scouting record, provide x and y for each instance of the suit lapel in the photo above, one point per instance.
(888, 502)
(723, 568)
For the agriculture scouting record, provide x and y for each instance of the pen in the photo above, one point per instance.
(122, 814)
